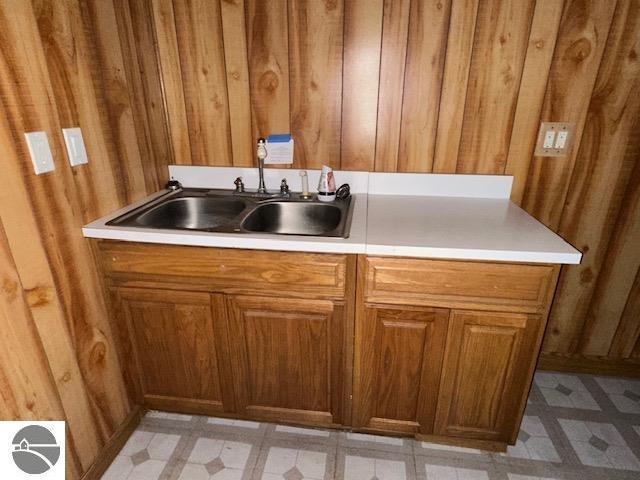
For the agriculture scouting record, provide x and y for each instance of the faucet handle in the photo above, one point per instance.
(239, 185)
(284, 188)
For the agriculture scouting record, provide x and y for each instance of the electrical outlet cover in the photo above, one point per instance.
(40, 152)
(554, 139)
(75, 146)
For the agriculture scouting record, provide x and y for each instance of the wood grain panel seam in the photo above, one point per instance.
(580, 128)
(515, 104)
(226, 81)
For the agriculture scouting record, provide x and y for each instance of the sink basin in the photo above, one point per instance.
(188, 213)
(225, 212)
(295, 218)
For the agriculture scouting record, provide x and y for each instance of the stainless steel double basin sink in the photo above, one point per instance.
(224, 211)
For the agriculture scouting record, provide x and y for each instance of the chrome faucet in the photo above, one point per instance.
(262, 154)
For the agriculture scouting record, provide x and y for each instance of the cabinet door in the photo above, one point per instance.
(399, 354)
(489, 361)
(288, 358)
(177, 344)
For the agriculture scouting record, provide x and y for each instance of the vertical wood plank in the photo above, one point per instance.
(614, 247)
(362, 39)
(100, 18)
(68, 58)
(395, 33)
(542, 42)
(628, 332)
(428, 27)
(268, 47)
(237, 70)
(500, 44)
(608, 325)
(581, 40)
(199, 29)
(28, 390)
(315, 46)
(27, 385)
(171, 72)
(462, 29)
(137, 42)
(597, 187)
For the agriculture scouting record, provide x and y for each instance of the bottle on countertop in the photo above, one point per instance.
(327, 185)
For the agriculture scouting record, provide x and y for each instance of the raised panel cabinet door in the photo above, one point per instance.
(288, 358)
(486, 375)
(399, 353)
(177, 343)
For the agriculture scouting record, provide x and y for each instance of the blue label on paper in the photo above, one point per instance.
(279, 138)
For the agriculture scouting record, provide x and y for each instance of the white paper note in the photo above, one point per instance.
(279, 149)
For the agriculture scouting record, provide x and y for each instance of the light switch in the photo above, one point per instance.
(548, 139)
(554, 139)
(561, 141)
(40, 153)
(75, 146)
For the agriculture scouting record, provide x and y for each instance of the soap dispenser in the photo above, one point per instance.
(326, 185)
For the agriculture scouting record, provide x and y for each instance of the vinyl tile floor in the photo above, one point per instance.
(575, 427)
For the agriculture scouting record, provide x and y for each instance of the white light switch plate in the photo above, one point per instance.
(40, 153)
(75, 146)
(554, 139)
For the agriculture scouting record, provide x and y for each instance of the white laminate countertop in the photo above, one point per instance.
(461, 228)
(436, 220)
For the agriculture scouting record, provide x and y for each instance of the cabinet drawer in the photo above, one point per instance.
(501, 286)
(224, 269)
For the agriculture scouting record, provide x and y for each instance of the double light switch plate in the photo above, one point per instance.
(554, 139)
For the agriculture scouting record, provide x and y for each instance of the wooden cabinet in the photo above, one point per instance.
(400, 352)
(446, 349)
(287, 358)
(488, 358)
(176, 348)
(440, 349)
(253, 334)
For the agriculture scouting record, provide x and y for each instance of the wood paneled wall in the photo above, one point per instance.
(430, 86)
(61, 66)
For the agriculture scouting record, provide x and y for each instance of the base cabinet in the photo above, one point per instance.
(446, 350)
(400, 351)
(176, 348)
(487, 360)
(439, 349)
(287, 358)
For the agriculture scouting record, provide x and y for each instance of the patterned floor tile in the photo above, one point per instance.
(149, 470)
(440, 472)
(312, 432)
(623, 393)
(533, 442)
(576, 427)
(447, 448)
(376, 442)
(599, 445)
(120, 468)
(361, 468)
(294, 464)
(230, 422)
(515, 476)
(563, 390)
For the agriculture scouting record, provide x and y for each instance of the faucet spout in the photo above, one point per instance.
(262, 154)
